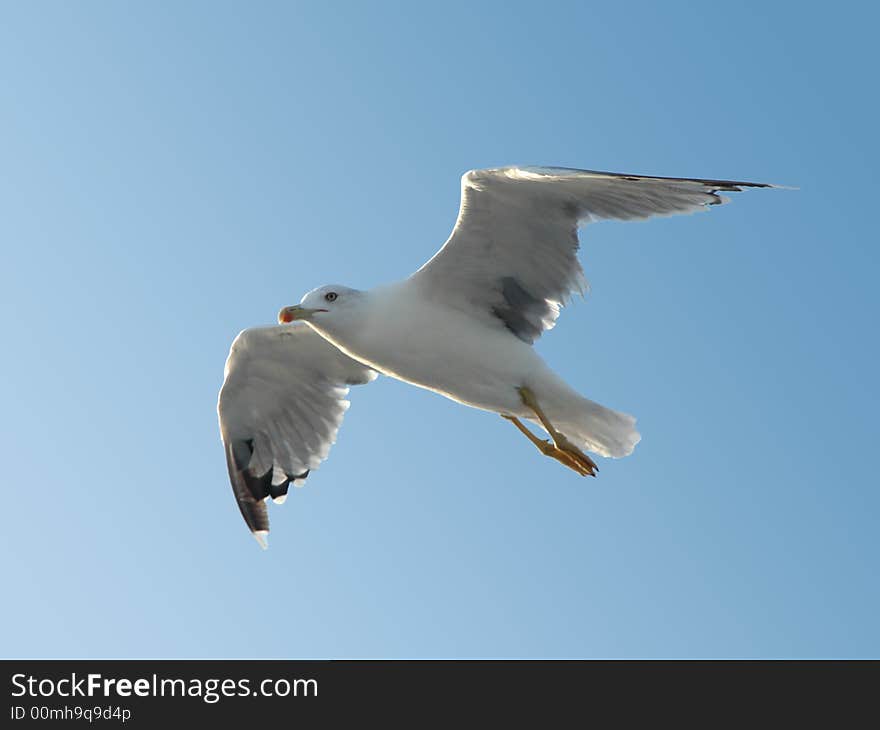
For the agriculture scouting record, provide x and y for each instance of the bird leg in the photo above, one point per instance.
(550, 449)
(561, 448)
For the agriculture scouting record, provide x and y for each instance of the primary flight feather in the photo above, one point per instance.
(462, 325)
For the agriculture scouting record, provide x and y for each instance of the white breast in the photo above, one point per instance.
(439, 348)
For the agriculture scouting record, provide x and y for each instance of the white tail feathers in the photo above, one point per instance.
(602, 430)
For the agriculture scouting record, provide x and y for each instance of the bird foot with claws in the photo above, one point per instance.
(570, 456)
(565, 452)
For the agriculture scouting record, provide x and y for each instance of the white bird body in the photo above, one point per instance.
(463, 326)
(398, 331)
(401, 334)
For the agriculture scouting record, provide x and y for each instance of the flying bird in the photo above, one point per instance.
(463, 326)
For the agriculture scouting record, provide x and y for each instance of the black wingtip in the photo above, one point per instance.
(259, 485)
(279, 490)
(727, 186)
(251, 490)
(252, 509)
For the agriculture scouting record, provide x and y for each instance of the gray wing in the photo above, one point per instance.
(280, 407)
(512, 256)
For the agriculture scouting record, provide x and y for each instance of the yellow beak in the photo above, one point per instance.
(289, 314)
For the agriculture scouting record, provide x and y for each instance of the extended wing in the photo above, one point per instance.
(512, 256)
(280, 407)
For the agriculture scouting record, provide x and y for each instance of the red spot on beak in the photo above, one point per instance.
(285, 316)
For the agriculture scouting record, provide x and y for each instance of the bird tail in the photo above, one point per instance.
(592, 426)
(602, 430)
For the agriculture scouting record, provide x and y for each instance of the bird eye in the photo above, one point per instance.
(330, 296)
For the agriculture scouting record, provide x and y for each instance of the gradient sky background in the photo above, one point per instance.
(175, 172)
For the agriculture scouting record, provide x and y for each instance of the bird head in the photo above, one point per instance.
(321, 301)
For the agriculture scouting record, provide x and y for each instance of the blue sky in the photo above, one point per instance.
(176, 172)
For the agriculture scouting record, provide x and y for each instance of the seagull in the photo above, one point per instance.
(463, 326)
